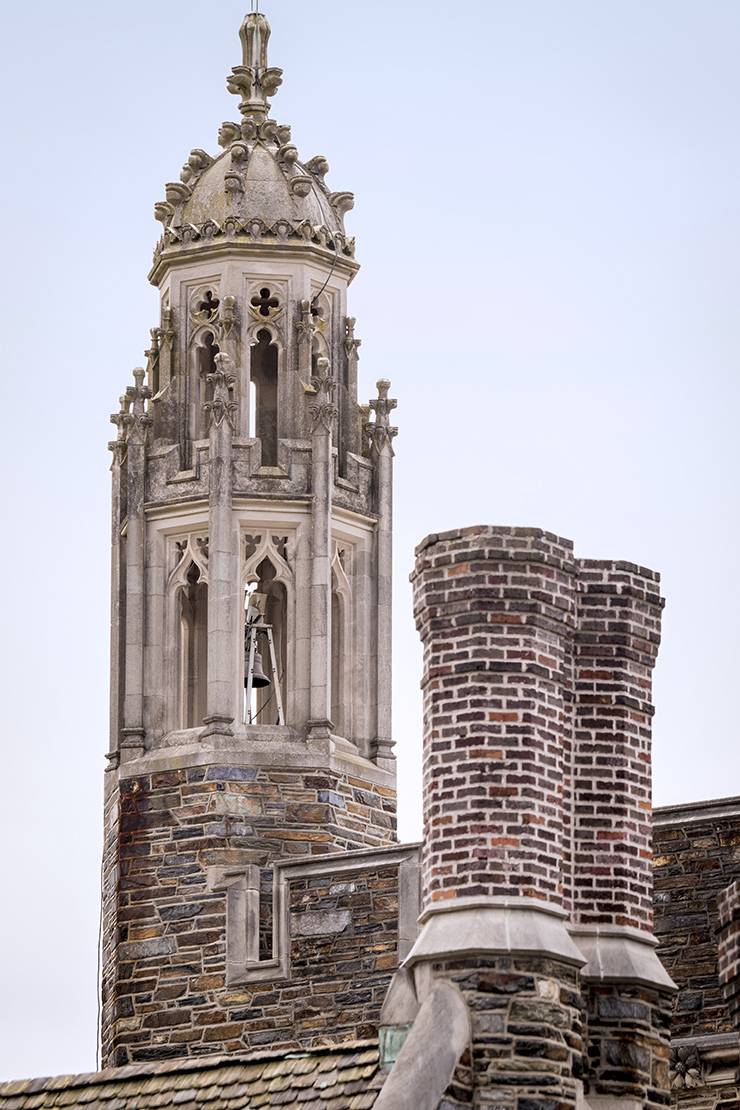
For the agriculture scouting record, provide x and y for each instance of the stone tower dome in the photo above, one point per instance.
(257, 187)
(251, 600)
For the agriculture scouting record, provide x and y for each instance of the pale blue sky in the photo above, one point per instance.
(547, 217)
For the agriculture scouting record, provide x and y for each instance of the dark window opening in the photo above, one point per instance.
(337, 663)
(265, 302)
(208, 307)
(271, 599)
(193, 662)
(265, 380)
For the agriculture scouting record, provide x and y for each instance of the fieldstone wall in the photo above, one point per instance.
(174, 841)
(526, 1031)
(696, 857)
(628, 1030)
(697, 873)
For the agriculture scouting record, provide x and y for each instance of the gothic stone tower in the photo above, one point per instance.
(243, 467)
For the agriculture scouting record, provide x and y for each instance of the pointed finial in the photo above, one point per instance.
(254, 80)
(382, 431)
(137, 419)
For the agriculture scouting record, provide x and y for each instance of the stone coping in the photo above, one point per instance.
(278, 750)
(478, 927)
(490, 530)
(621, 954)
(709, 810)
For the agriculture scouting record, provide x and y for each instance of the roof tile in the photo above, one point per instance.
(319, 1079)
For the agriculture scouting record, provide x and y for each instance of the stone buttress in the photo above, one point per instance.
(246, 479)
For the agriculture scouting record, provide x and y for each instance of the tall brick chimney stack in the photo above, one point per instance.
(537, 835)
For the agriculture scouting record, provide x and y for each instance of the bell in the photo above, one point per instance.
(259, 678)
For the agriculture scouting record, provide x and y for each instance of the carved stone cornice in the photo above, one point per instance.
(322, 416)
(704, 1070)
(212, 239)
(322, 381)
(382, 437)
(166, 333)
(686, 1068)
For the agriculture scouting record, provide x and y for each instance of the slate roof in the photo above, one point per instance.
(343, 1077)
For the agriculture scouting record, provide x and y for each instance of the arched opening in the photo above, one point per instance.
(193, 649)
(271, 598)
(264, 376)
(206, 352)
(337, 662)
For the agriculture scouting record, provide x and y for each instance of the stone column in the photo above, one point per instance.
(322, 415)
(382, 442)
(137, 422)
(305, 330)
(165, 400)
(117, 610)
(221, 577)
(495, 608)
(349, 394)
(626, 989)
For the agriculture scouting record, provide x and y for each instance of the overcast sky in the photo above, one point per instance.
(547, 218)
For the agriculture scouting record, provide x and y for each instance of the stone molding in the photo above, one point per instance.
(242, 887)
(472, 926)
(245, 237)
(286, 752)
(620, 954)
(696, 811)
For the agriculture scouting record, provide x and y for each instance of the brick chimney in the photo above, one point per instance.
(536, 857)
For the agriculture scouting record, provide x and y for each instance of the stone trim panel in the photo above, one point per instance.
(296, 919)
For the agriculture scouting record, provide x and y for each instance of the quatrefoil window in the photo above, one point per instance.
(265, 302)
(208, 307)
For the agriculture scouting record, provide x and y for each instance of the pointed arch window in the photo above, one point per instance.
(341, 646)
(192, 599)
(187, 640)
(268, 578)
(206, 352)
(264, 378)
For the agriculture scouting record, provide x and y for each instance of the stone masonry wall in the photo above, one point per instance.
(171, 837)
(526, 1031)
(627, 1034)
(696, 857)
